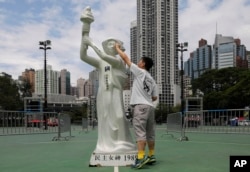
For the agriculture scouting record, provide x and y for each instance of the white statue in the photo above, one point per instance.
(113, 131)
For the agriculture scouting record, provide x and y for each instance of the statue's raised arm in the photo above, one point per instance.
(87, 18)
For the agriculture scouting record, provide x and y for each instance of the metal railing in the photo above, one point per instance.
(64, 127)
(209, 121)
(17, 123)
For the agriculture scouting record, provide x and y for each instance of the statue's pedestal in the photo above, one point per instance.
(112, 159)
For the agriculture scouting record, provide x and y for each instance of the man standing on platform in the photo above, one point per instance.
(144, 93)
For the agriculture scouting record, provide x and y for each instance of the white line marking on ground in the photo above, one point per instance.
(202, 142)
(116, 169)
(62, 141)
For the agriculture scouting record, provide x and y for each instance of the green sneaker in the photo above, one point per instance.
(139, 163)
(152, 160)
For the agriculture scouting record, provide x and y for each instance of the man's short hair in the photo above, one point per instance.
(148, 62)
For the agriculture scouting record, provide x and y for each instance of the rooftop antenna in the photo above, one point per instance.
(216, 28)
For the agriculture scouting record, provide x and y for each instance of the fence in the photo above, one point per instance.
(175, 125)
(16, 123)
(209, 121)
(64, 127)
(85, 124)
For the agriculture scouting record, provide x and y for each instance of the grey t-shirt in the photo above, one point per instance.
(144, 86)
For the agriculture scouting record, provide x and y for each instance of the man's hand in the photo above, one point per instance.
(117, 46)
(154, 98)
(122, 54)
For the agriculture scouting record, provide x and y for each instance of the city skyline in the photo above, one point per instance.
(26, 22)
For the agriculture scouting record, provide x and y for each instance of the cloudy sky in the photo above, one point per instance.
(23, 23)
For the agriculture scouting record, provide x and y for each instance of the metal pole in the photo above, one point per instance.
(182, 85)
(43, 46)
(45, 80)
(45, 89)
(181, 49)
(160, 108)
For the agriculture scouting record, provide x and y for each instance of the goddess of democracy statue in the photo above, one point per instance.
(113, 131)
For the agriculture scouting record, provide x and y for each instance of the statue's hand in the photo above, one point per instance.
(87, 40)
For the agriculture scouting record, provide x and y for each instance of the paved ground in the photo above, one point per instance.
(38, 153)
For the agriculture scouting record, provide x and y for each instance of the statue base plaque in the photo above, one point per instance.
(112, 159)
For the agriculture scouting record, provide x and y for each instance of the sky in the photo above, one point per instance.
(23, 23)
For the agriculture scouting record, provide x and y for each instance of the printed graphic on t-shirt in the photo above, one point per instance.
(147, 85)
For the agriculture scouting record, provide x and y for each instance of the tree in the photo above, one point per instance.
(227, 88)
(162, 111)
(25, 88)
(77, 113)
(10, 97)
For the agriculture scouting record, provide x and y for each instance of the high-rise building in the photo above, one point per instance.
(187, 86)
(241, 54)
(94, 81)
(80, 87)
(200, 60)
(248, 58)
(29, 76)
(52, 81)
(64, 82)
(74, 91)
(127, 83)
(156, 37)
(126, 99)
(133, 41)
(228, 52)
(224, 52)
(88, 88)
(133, 46)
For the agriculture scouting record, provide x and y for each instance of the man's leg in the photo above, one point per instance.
(139, 124)
(151, 136)
(151, 148)
(141, 149)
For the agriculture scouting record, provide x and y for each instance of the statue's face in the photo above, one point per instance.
(109, 46)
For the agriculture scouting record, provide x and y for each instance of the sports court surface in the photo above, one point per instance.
(38, 153)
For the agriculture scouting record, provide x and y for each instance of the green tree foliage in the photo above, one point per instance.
(77, 113)
(162, 111)
(227, 88)
(10, 97)
(25, 88)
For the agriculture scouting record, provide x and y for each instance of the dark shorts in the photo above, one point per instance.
(144, 122)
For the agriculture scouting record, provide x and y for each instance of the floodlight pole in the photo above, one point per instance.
(45, 45)
(182, 48)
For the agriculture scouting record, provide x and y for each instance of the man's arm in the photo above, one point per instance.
(155, 96)
(123, 55)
